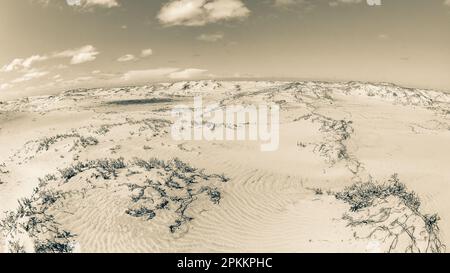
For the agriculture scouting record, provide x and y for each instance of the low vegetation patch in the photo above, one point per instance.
(178, 187)
(390, 214)
(30, 228)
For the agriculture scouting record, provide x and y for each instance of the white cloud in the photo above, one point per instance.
(80, 55)
(22, 64)
(288, 2)
(100, 3)
(30, 76)
(201, 12)
(338, 2)
(162, 73)
(83, 3)
(187, 74)
(140, 75)
(383, 36)
(210, 37)
(126, 58)
(4, 86)
(447, 3)
(146, 52)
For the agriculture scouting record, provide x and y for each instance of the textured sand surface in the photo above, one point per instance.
(101, 173)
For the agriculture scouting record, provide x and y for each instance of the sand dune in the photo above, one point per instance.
(96, 170)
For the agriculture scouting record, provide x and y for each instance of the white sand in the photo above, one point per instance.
(268, 204)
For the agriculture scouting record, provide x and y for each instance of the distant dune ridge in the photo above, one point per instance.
(360, 167)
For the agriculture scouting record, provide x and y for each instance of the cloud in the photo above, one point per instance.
(146, 52)
(383, 36)
(126, 58)
(201, 12)
(4, 86)
(161, 73)
(84, 3)
(338, 2)
(22, 64)
(295, 5)
(140, 75)
(30, 76)
(93, 3)
(187, 74)
(80, 55)
(447, 3)
(210, 37)
(130, 57)
(280, 3)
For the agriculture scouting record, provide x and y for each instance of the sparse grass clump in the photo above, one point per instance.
(363, 195)
(141, 212)
(32, 222)
(45, 143)
(106, 168)
(103, 130)
(213, 193)
(154, 124)
(178, 187)
(3, 169)
(88, 141)
(149, 164)
(392, 214)
(337, 132)
(318, 191)
(223, 178)
(60, 243)
(167, 187)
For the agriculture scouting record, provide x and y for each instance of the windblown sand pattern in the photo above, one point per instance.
(96, 170)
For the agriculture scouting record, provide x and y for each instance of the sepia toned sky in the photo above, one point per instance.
(48, 45)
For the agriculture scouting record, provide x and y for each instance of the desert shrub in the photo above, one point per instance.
(180, 186)
(173, 184)
(3, 169)
(149, 164)
(60, 243)
(363, 195)
(181, 166)
(88, 141)
(32, 219)
(16, 247)
(49, 197)
(431, 222)
(214, 194)
(45, 143)
(106, 168)
(392, 224)
(223, 178)
(141, 212)
(318, 191)
(103, 130)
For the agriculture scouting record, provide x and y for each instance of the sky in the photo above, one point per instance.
(54, 45)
